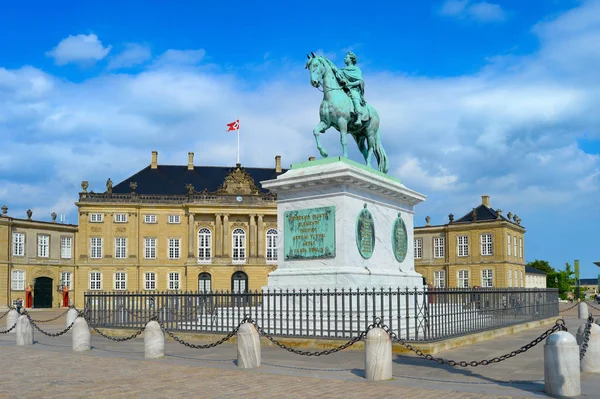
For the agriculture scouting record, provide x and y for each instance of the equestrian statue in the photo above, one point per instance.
(344, 108)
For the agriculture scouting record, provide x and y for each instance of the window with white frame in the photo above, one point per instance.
(521, 279)
(120, 247)
(239, 246)
(486, 244)
(120, 218)
(515, 246)
(204, 280)
(510, 279)
(65, 279)
(174, 248)
(439, 279)
(43, 245)
(204, 245)
(18, 280)
(95, 281)
(149, 281)
(95, 247)
(463, 279)
(150, 248)
(174, 281)
(520, 247)
(463, 245)
(96, 217)
(149, 218)
(18, 244)
(120, 281)
(487, 278)
(418, 248)
(66, 247)
(438, 247)
(271, 246)
(174, 219)
(508, 244)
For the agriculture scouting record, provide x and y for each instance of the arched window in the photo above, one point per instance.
(204, 282)
(204, 245)
(271, 246)
(239, 283)
(238, 246)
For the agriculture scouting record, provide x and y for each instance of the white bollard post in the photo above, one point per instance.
(82, 336)
(11, 319)
(154, 341)
(248, 347)
(591, 361)
(561, 365)
(378, 355)
(24, 331)
(72, 314)
(583, 311)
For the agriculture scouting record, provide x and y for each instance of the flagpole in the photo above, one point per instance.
(238, 133)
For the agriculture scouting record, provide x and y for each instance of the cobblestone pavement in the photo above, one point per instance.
(49, 369)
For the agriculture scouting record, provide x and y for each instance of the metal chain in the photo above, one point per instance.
(558, 326)
(564, 310)
(589, 304)
(52, 319)
(9, 330)
(135, 335)
(206, 346)
(7, 312)
(47, 333)
(586, 336)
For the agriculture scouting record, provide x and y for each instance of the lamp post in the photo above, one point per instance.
(598, 264)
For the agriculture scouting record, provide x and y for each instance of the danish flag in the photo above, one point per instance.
(233, 126)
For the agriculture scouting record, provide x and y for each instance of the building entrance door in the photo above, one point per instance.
(42, 292)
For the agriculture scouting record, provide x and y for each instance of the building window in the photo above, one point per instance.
(120, 281)
(65, 280)
(43, 246)
(174, 219)
(418, 248)
(18, 280)
(96, 217)
(66, 245)
(149, 218)
(515, 245)
(150, 248)
(521, 279)
(204, 245)
(120, 218)
(508, 244)
(149, 281)
(120, 248)
(95, 281)
(463, 245)
(239, 283)
(520, 247)
(486, 244)
(463, 279)
(174, 248)
(204, 282)
(438, 247)
(271, 246)
(18, 244)
(239, 246)
(439, 279)
(95, 247)
(487, 278)
(509, 278)
(174, 281)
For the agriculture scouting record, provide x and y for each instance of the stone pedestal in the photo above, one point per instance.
(248, 347)
(71, 316)
(11, 319)
(154, 341)
(583, 311)
(378, 355)
(561, 365)
(82, 337)
(591, 361)
(24, 331)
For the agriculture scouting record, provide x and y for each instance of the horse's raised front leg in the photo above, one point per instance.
(320, 129)
(343, 126)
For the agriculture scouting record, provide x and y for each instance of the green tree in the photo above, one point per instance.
(542, 265)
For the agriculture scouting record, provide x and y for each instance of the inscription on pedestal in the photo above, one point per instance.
(309, 233)
(365, 233)
(399, 239)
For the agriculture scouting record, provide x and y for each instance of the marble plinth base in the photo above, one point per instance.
(24, 331)
(248, 347)
(11, 319)
(583, 311)
(561, 365)
(154, 341)
(71, 316)
(378, 355)
(591, 361)
(82, 338)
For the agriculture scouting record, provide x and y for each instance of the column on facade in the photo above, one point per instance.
(191, 235)
(226, 235)
(261, 238)
(252, 235)
(218, 235)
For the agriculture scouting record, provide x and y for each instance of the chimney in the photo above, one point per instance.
(190, 161)
(154, 164)
(4, 210)
(485, 200)
(278, 163)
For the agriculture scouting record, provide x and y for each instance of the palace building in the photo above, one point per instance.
(484, 248)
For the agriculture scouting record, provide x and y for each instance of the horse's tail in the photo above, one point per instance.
(381, 156)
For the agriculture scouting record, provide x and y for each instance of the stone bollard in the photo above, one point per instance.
(591, 361)
(154, 341)
(72, 314)
(583, 311)
(378, 355)
(11, 319)
(82, 337)
(561, 365)
(24, 331)
(248, 347)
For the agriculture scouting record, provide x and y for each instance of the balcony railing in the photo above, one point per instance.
(177, 199)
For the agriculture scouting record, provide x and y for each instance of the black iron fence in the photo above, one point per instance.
(414, 314)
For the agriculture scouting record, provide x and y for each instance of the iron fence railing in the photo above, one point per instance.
(414, 314)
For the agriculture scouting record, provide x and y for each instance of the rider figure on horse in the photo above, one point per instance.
(354, 86)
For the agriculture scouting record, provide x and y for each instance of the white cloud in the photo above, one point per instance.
(182, 57)
(134, 54)
(482, 11)
(79, 49)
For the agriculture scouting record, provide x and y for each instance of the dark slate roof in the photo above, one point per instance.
(588, 281)
(172, 179)
(533, 270)
(483, 214)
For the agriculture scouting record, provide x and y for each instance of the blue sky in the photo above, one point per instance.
(475, 97)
